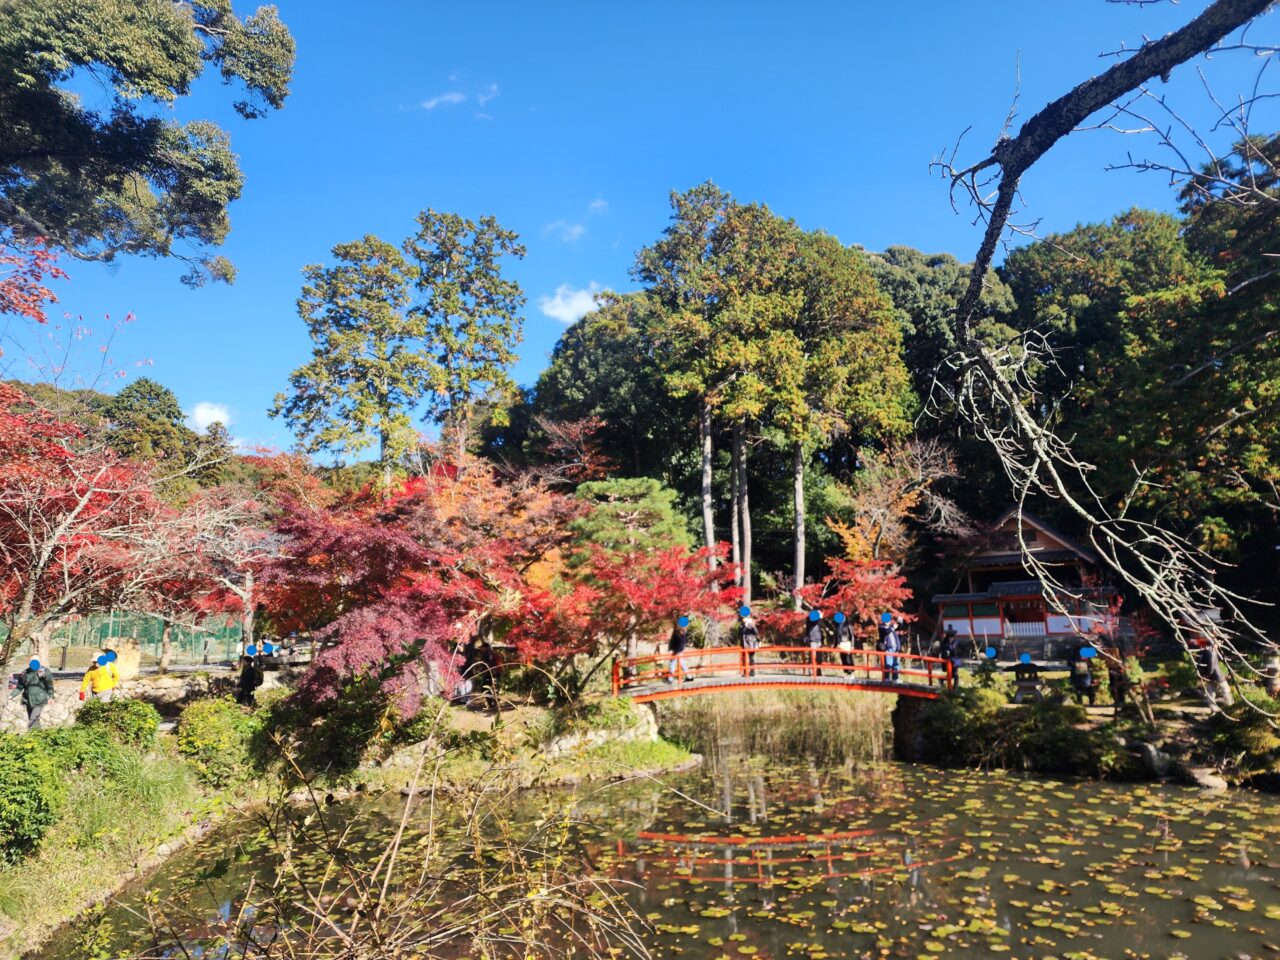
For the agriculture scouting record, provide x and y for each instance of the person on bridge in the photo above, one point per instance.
(949, 649)
(676, 646)
(813, 638)
(749, 637)
(892, 647)
(844, 641)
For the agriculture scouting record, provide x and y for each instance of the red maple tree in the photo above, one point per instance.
(23, 274)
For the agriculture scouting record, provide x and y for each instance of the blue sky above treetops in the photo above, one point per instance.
(571, 121)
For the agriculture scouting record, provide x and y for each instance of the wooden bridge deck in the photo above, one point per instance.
(722, 669)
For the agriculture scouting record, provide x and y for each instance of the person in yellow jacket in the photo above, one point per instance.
(101, 678)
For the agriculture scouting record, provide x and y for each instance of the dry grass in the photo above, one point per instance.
(825, 725)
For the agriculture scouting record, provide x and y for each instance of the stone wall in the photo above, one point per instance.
(168, 694)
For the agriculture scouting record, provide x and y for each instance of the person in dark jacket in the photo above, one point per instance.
(249, 681)
(892, 647)
(949, 649)
(1081, 675)
(675, 646)
(813, 638)
(844, 642)
(1118, 676)
(749, 638)
(36, 687)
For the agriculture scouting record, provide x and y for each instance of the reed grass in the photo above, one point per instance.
(831, 726)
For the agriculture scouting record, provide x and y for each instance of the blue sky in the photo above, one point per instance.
(571, 121)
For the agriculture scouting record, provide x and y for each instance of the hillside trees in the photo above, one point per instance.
(602, 367)
(119, 177)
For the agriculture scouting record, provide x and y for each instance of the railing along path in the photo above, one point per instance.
(714, 669)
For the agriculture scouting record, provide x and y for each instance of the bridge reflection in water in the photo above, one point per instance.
(797, 856)
(715, 669)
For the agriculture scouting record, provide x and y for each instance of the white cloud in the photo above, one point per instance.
(487, 94)
(205, 413)
(569, 304)
(598, 205)
(566, 231)
(450, 98)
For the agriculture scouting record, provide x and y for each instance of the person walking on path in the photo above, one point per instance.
(844, 642)
(1081, 676)
(250, 680)
(892, 647)
(949, 650)
(749, 637)
(676, 646)
(36, 687)
(101, 679)
(813, 640)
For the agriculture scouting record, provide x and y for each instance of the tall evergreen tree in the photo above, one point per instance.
(682, 272)
(469, 314)
(370, 364)
(848, 375)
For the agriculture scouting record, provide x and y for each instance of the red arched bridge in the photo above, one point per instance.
(716, 669)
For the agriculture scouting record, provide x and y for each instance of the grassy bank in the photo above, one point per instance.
(827, 726)
(114, 806)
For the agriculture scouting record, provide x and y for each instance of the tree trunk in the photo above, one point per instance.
(798, 480)
(735, 524)
(246, 617)
(742, 501)
(383, 442)
(18, 634)
(166, 648)
(708, 509)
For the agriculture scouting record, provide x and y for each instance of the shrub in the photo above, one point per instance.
(215, 735)
(1245, 733)
(595, 713)
(972, 727)
(129, 721)
(87, 749)
(31, 792)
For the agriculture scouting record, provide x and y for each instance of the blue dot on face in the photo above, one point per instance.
(839, 618)
(744, 611)
(1088, 653)
(991, 653)
(34, 665)
(814, 615)
(251, 650)
(268, 648)
(111, 656)
(1025, 658)
(886, 617)
(683, 621)
(102, 660)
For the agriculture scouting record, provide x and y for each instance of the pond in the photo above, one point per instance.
(752, 859)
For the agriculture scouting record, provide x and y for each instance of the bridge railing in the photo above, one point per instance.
(782, 663)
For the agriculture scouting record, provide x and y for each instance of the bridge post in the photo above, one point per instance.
(617, 677)
(813, 661)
